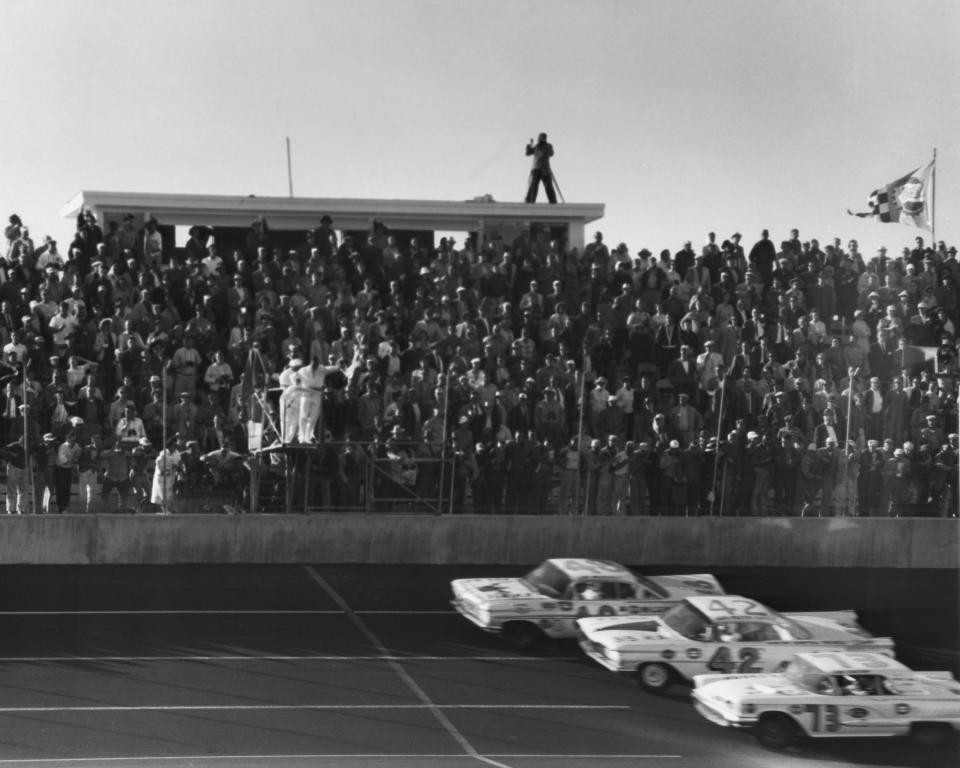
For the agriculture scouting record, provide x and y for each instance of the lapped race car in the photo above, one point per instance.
(720, 633)
(834, 694)
(550, 598)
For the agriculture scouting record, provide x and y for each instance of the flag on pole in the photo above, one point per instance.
(908, 200)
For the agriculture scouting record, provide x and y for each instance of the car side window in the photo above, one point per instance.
(626, 591)
(758, 633)
(887, 688)
(596, 590)
(728, 632)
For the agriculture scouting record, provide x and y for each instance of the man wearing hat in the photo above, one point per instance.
(870, 480)
(541, 151)
(709, 365)
(67, 455)
(46, 488)
(141, 455)
(932, 433)
(811, 476)
(17, 479)
(599, 397)
(183, 416)
(88, 464)
(164, 477)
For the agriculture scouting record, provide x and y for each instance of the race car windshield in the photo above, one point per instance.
(548, 580)
(687, 621)
(800, 674)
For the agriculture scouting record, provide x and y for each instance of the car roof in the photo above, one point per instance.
(580, 567)
(859, 663)
(731, 608)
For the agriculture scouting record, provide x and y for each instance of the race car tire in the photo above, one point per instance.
(654, 677)
(520, 634)
(930, 734)
(776, 731)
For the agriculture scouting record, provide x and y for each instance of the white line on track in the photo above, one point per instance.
(402, 673)
(178, 612)
(250, 657)
(261, 759)
(308, 707)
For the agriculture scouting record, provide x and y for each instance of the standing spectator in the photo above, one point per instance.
(786, 471)
(67, 456)
(46, 488)
(116, 474)
(569, 502)
(810, 480)
(185, 364)
(18, 484)
(164, 475)
(673, 493)
(88, 463)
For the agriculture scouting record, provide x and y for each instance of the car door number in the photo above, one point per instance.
(825, 717)
(723, 661)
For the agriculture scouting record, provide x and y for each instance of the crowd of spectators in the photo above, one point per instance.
(492, 377)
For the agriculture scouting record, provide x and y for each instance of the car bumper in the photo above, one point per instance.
(597, 652)
(464, 609)
(720, 719)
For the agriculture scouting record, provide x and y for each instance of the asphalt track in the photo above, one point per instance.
(360, 667)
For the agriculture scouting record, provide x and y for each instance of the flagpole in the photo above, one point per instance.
(933, 200)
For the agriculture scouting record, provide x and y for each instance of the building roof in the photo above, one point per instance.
(290, 213)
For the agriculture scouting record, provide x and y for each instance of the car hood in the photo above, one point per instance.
(733, 688)
(492, 590)
(623, 634)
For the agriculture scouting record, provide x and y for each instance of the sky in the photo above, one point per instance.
(683, 117)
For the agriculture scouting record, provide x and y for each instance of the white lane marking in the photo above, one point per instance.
(200, 759)
(250, 657)
(402, 673)
(270, 707)
(230, 612)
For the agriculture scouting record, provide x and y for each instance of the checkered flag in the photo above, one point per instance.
(908, 200)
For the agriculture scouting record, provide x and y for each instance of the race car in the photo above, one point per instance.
(717, 633)
(831, 694)
(550, 598)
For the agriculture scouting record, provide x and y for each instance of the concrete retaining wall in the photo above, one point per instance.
(698, 543)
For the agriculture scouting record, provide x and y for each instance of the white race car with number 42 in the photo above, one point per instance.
(720, 633)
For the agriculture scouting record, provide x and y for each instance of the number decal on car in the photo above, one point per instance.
(825, 717)
(736, 607)
(723, 661)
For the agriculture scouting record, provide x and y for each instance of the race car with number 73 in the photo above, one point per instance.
(719, 633)
(834, 694)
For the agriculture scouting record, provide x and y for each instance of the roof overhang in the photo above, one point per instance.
(291, 213)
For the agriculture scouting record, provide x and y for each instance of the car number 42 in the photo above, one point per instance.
(723, 661)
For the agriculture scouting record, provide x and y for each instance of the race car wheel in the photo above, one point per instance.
(655, 677)
(520, 634)
(930, 734)
(776, 731)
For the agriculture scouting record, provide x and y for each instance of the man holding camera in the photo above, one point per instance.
(542, 151)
